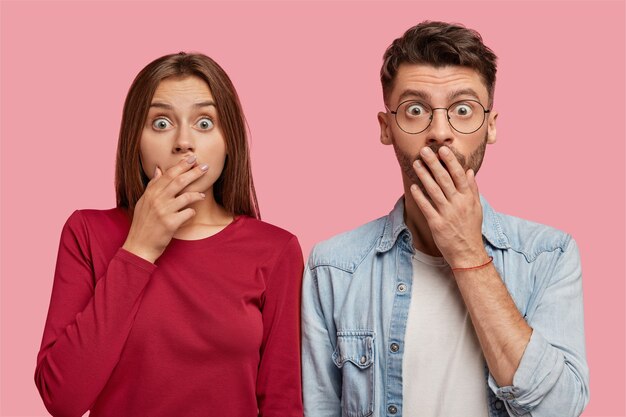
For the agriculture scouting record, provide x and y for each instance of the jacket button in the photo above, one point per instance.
(392, 409)
(363, 360)
(394, 347)
(498, 404)
(401, 287)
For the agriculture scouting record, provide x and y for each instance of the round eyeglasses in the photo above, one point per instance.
(465, 116)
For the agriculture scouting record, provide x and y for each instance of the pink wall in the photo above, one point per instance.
(307, 74)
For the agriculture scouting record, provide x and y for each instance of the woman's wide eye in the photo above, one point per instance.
(161, 124)
(205, 123)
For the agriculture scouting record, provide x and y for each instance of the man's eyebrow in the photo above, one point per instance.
(169, 107)
(414, 93)
(463, 92)
(426, 96)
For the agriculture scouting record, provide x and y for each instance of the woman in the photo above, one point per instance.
(179, 301)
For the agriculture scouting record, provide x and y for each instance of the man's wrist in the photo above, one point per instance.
(470, 260)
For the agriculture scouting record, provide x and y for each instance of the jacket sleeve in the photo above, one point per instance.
(278, 387)
(553, 377)
(88, 322)
(321, 379)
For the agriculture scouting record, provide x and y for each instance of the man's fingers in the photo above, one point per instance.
(471, 181)
(454, 168)
(422, 202)
(439, 173)
(431, 186)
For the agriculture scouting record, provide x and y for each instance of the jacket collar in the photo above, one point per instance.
(394, 226)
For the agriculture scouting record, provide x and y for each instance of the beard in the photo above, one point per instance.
(473, 161)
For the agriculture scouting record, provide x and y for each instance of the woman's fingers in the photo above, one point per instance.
(161, 180)
(183, 179)
(186, 199)
(183, 216)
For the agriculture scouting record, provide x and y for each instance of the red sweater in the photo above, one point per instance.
(210, 329)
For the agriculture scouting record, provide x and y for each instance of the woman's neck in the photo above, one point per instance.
(210, 218)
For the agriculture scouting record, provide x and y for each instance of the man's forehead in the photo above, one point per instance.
(430, 81)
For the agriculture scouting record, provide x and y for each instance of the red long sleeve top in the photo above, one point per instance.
(212, 328)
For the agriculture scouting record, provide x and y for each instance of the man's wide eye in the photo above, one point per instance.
(415, 109)
(161, 124)
(462, 110)
(205, 123)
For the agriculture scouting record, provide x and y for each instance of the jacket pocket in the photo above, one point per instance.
(354, 355)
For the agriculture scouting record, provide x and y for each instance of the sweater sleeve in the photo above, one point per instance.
(88, 322)
(278, 383)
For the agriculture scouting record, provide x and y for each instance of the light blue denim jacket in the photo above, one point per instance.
(355, 302)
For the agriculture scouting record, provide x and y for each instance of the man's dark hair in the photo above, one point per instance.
(439, 44)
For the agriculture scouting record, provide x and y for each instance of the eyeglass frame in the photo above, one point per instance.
(432, 115)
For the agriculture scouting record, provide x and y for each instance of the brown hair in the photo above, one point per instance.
(439, 44)
(234, 189)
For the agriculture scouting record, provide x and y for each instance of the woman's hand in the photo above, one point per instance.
(161, 211)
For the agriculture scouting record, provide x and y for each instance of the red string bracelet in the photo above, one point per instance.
(475, 267)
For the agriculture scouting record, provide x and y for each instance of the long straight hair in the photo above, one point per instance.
(234, 189)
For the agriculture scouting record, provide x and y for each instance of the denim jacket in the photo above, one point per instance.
(356, 295)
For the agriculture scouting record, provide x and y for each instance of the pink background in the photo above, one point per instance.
(307, 74)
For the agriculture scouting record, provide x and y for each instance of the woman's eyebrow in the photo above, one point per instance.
(205, 104)
(169, 106)
(161, 105)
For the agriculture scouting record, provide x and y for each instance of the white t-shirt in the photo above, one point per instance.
(443, 368)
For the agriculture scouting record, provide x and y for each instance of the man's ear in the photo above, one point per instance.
(385, 128)
(491, 127)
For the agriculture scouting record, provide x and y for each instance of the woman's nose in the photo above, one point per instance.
(184, 141)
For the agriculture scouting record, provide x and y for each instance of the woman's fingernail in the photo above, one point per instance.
(191, 159)
(203, 195)
(204, 167)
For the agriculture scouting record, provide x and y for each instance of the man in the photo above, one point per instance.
(444, 307)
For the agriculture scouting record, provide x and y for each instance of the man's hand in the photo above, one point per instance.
(452, 208)
(454, 215)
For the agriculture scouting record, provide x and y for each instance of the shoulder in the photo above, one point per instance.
(269, 240)
(348, 249)
(275, 249)
(93, 229)
(93, 219)
(531, 238)
(264, 230)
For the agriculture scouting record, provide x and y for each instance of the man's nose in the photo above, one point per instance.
(184, 141)
(440, 130)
